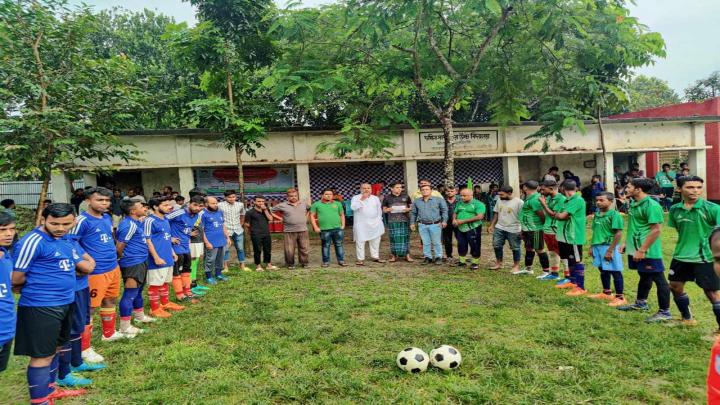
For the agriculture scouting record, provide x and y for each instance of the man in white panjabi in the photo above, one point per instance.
(368, 225)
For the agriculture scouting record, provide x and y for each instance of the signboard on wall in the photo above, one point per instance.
(258, 180)
(473, 140)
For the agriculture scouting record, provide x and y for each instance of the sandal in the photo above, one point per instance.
(379, 261)
(392, 260)
(359, 263)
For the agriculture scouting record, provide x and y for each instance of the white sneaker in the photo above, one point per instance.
(543, 275)
(143, 318)
(528, 270)
(91, 356)
(117, 336)
(271, 267)
(525, 270)
(132, 331)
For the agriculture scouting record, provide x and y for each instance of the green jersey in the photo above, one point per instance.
(572, 229)
(328, 214)
(529, 219)
(605, 225)
(694, 226)
(555, 204)
(665, 180)
(467, 210)
(642, 215)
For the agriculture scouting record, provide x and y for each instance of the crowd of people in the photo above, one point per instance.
(98, 254)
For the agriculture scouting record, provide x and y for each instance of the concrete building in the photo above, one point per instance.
(186, 158)
(708, 108)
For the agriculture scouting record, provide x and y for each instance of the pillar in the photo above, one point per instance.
(697, 159)
(186, 181)
(90, 179)
(609, 172)
(411, 176)
(652, 163)
(511, 173)
(60, 187)
(640, 158)
(302, 171)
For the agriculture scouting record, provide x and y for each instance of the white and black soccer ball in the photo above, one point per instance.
(446, 357)
(413, 360)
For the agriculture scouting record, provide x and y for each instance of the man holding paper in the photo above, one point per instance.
(397, 207)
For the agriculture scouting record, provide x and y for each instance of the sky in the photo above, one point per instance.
(691, 30)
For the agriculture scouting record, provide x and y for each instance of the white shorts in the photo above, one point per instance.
(197, 250)
(158, 277)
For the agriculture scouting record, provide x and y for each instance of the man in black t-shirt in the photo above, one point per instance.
(257, 220)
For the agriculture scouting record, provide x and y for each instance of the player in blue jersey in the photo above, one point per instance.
(7, 302)
(94, 232)
(161, 258)
(133, 253)
(182, 224)
(46, 262)
(216, 238)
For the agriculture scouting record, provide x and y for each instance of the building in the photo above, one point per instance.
(708, 108)
(186, 158)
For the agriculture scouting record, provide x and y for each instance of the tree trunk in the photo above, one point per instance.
(603, 173)
(241, 176)
(43, 195)
(449, 140)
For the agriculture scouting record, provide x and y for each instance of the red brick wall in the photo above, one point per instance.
(712, 137)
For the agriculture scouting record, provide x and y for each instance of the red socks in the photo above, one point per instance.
(154, 295)
(164, 293)
(85, 337)
(107, 316)
(186, 283)
(178, 287)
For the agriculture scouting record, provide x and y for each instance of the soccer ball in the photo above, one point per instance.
(445, 357)
(413, 360)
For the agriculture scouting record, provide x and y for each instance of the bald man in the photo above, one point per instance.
(216, 238)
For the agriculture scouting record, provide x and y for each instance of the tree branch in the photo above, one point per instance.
(483, 48)
(446, 64)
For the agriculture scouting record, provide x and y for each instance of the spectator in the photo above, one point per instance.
(294, 215)
(568, 175)
(449, 231)
(396, 206)
(77, 198)
(684, 170)
(552, 174)
(505, 226)
(234, 212)
(430, 213)
(664, 179)
(368, 225)
(328, 218)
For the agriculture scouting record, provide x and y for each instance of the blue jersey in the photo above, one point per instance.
(213, 225)
(49, 267)
(181, 226)
(95, 235)
(132, 234)
(7, 302)
(157, 230)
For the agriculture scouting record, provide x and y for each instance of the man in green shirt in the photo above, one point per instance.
(642, 245)
(665, 179)
(551, 201)
(532, 222)
(571, 237)
(607, 229)
(694, 218)
(467, 218)
(328, 218)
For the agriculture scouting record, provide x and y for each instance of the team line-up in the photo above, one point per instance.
(72, 266)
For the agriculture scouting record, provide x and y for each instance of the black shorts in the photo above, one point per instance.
(81, 312)
(571, 253)
(182, 264)
(41, 330)
(703, 274)
(534, 240)
(137, 272)
(5, 354)
(646, 265)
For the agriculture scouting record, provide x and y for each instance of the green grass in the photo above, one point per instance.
(331, 336)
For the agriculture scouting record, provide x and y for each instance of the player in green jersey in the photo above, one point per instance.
(642, 245)
(694, 218)
(551, 200)
(532, 222)
(607, 230)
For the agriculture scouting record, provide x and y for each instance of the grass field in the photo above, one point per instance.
(332, 335)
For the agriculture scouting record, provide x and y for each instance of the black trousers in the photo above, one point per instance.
(447, 239)
(262, 248)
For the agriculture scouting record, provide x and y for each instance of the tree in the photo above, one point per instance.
(502, 60)
(59, 102)
(234, 34)
(648, 92)
(704, 89)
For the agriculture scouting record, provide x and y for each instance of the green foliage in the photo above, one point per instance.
(359, 138)
(60, 103)
(704, 89)
(648, 92)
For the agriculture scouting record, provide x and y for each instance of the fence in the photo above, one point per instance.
(27, 193)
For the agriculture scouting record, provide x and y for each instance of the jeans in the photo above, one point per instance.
(214, 261)
(262, 248)
(499, 238)
(431, 236)
(334, 237)
(237, 239)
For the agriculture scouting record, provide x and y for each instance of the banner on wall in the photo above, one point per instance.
(465, 140)
(258, 180)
